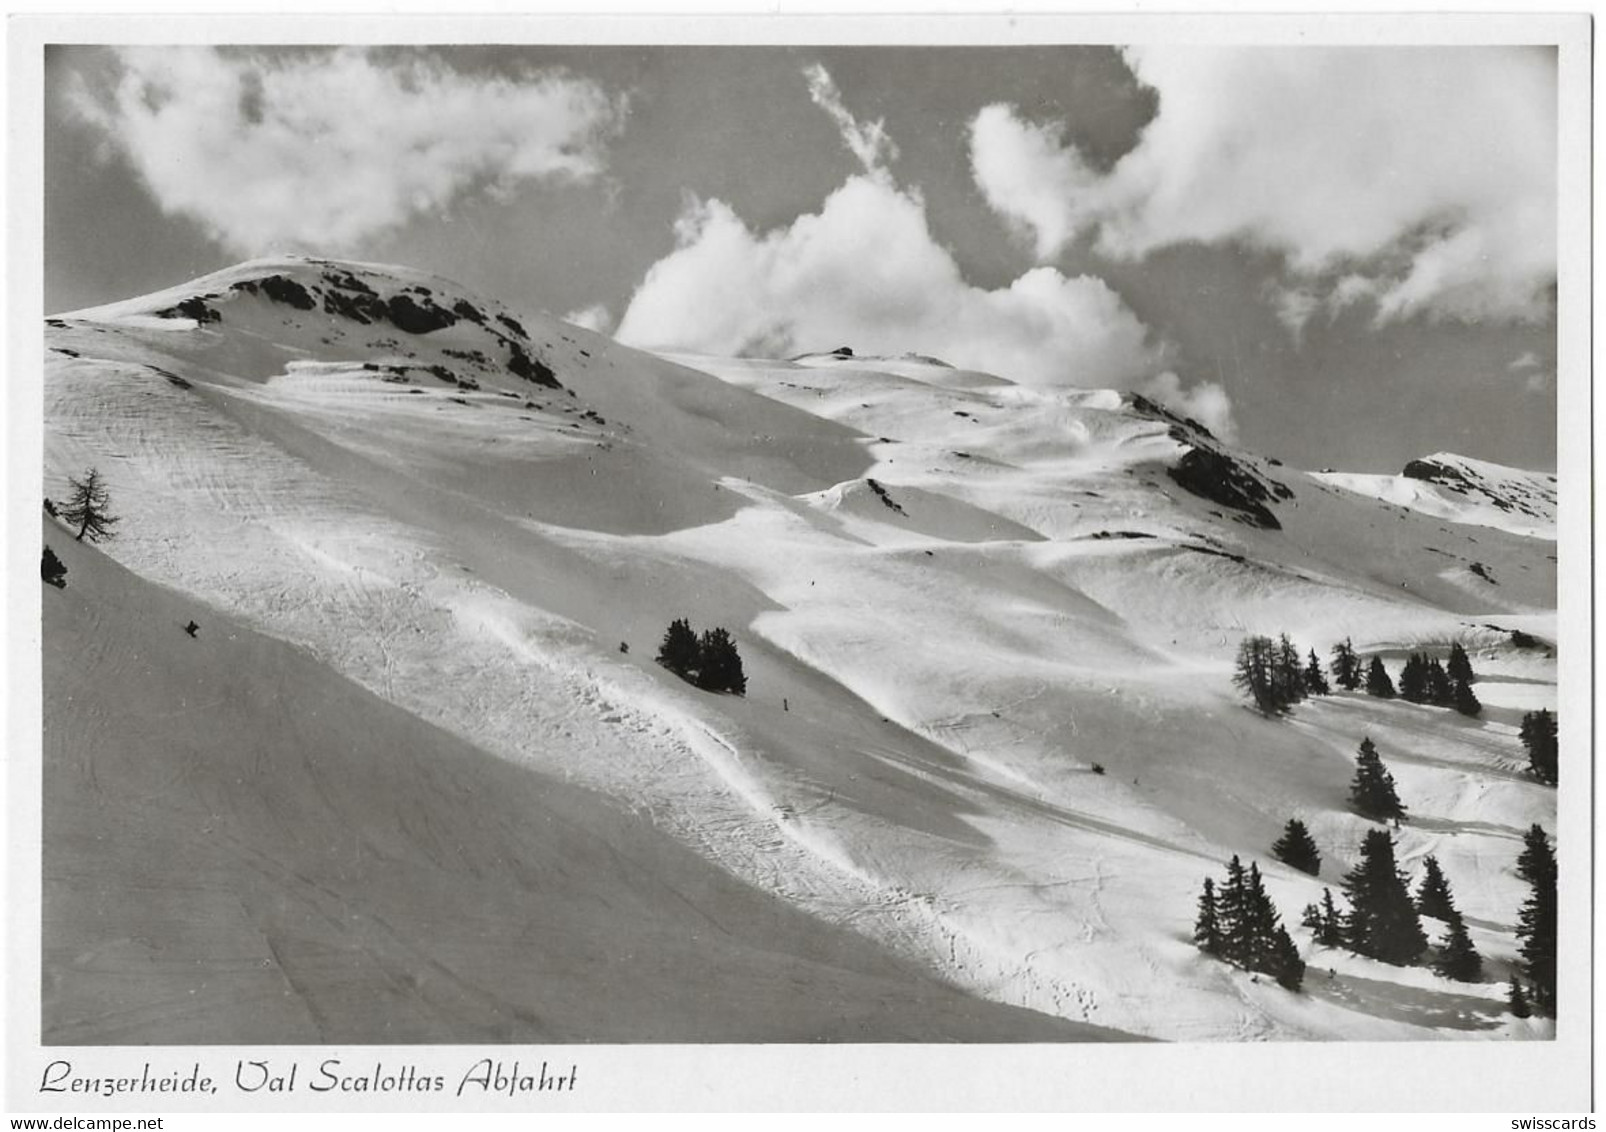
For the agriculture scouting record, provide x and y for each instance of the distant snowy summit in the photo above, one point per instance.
(1464, 490)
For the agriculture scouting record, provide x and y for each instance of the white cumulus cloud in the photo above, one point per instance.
(320, 149)
(1205, 401)
(1423, 178)
(866, 271)
(595, 317)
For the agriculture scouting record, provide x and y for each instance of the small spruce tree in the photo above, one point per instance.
(1433, 894)
(1287, 965)
(1536, 922)
(679, 652)
(1346, 666)
(1414, 680)
(1372, 791)
(1206, 928)
(1539, 738)
(1464, 700)
(1382, 922)
(1297, 849)
(1315, 679)
(1330, 928)
(1288, 678)
(89, 508)
(1233, 914)
(1440, 688)
(1459, 666)
(720, 665)
(1457, 958)
(1517, 1001)
(1377, 680)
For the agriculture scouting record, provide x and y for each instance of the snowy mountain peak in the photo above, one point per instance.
(1465, 490)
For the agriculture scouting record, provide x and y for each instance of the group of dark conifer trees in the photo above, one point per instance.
(710, 662)
(1271, 674)
(1424, 680)
(1238, 924)
(1383, 921)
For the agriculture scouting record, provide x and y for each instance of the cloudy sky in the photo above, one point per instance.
(1341, 256)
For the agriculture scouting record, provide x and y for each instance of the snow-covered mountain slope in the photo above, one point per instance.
(954, 597)
(355, 874)
(1465, 490)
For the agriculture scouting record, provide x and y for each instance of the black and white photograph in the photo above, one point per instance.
(638, 536)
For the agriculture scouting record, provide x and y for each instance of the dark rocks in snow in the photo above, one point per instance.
(1119, 534)
(419, 317)
(467, 310)
(193, 307)
(1432, 471)
(531, 369)
(514, 325)
(281, 289)
(1219, 478)
(362, 307)
(881, 493)
(346, 281)
(51, 568)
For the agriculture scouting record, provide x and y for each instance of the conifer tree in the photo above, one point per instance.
(1440, 689)
(1539, 737)
(1372, 790)
(1255, 676)
(1263, 924)
(1464, 700)
(1315, 679)
(1346, 666)
(720, 665)
(1457, 958)
(1287, 965)
(1245, 928)
(1330, 926)
(1296, 848)
(679, 652)
(1414, 680)
(1536, 923)
(1207, 928)
(88, 508)
(1233, 914)
(1459, 666)
(1288, 678)
(1382, 922)
(1517, 1001)
(1377, 681)
(1433, 894)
